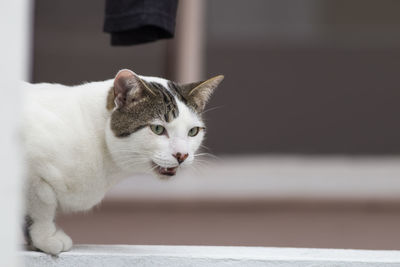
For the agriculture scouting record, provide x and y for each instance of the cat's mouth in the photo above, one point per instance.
(168, 171)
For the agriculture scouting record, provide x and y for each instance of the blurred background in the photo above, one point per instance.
(305, 126)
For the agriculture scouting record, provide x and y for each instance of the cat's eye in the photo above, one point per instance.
(157, 129)
(194, 131)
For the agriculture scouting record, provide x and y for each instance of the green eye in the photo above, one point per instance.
(194, 131)
(157, 129)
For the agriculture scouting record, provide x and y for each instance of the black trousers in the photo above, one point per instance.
(139, 21)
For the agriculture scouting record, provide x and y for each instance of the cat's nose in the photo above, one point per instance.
(179, 157)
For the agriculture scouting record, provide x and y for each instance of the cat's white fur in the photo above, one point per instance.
(73, 157)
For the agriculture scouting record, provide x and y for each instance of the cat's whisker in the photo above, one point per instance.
(206, 155)
(202, 164)
(153, 168)
(211, 109)
(199, 159)
(205, 147)
(198, 168)
(202, 160)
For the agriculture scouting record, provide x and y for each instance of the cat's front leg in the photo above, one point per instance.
(42, 231)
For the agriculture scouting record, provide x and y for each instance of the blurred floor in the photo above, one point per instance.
(358, 225)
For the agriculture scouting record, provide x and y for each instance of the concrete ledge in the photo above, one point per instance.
(126, 255)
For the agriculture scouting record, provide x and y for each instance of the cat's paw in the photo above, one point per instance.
(65, 239)
(54, 244)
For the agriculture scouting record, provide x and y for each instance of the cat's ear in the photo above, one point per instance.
(128, 87)
(198, 94)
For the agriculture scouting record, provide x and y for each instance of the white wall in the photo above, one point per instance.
(14, 48)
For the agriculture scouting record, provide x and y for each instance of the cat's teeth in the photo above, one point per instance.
(168, 171)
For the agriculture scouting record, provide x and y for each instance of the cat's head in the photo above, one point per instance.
(155, 124)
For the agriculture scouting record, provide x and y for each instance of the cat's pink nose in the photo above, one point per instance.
(179, 157)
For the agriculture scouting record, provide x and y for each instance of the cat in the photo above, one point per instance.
(81, 140)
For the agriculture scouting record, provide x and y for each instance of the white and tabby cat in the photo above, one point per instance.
(80, 140)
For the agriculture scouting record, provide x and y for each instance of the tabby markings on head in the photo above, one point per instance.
(139, 102)
(137, 115)
(171, 108)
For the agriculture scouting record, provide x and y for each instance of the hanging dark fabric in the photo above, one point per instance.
(133, 22)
